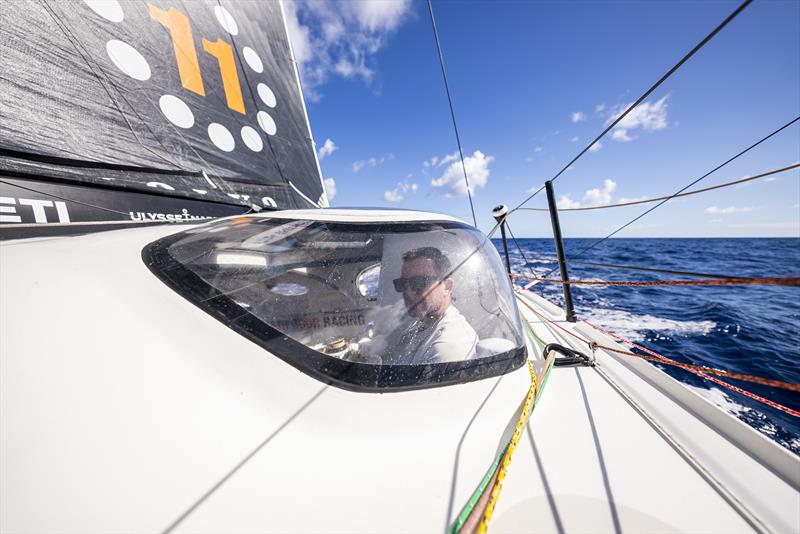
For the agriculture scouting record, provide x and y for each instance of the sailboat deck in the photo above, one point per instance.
(612, 449)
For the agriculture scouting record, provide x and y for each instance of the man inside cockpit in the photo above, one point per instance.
(439, 333)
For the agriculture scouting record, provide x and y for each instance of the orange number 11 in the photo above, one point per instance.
(227, 69)
(185, 55)
(178, 25)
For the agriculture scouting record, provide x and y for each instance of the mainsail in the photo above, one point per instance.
(150, 109)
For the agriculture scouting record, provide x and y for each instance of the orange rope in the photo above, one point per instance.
(667, 361)
(786, 281)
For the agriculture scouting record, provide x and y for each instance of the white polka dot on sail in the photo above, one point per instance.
(266, 123)
(266, 94)
(252, 59)
(252, 139)
(226, 20)
(108, 9)
(221, 137)
(176, 111)
(127, 59)
(161, 185)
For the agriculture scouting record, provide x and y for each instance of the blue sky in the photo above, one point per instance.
(532, 84)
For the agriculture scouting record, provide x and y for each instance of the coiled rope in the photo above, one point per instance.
(781, 281)
(703, 372)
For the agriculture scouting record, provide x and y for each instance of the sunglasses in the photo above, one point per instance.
(415, 283)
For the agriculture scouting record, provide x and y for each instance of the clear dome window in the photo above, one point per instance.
(363, 306)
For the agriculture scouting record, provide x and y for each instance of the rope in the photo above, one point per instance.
(697, 370)
(783, 281)
(650, 270)
(655, 199)
(494, 496)
(702, 372)
(452, 112)
(645, 95)
(477, 513)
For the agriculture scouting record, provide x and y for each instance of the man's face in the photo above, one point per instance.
(434, 298)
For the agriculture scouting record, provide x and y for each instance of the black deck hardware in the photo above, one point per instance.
(571, 356)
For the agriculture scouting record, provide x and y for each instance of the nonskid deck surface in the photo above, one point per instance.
(623, 447)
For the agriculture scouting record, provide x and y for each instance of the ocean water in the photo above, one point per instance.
(753, 329)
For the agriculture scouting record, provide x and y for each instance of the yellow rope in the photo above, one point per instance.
(501, 475)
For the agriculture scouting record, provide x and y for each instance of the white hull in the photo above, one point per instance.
(125, 408)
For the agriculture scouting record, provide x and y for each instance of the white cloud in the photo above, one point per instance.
(578, 116)
(592, 197)
(330, 188)
(538, 149)
(618, 134)
(716, 220)
(777, 225)
(713, 210)
(328, 148)
(598, 197)
(371, 162)
(452, 179)
(436, 161)
(596, 146)
(340, 37)
(649, 116)
(448, 159)
(398, 193)
(574, 139)
(599, 108)
(622, 200)
(564, 202)
(392, 196)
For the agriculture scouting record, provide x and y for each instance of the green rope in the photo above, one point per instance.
(476, 495)
(534, 336)
(468, 508)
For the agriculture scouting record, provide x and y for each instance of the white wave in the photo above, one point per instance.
(754, 418)
(721, 400)
(634, 327)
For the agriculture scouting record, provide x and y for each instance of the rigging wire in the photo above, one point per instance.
(732, 158)
(519, 248)
(655, 199)
(452, 112)
(641, 98)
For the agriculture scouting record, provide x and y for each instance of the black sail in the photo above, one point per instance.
(105, 104)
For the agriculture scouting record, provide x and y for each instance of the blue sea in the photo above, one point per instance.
(753, 329)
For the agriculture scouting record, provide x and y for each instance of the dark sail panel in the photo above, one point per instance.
(186, 99)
